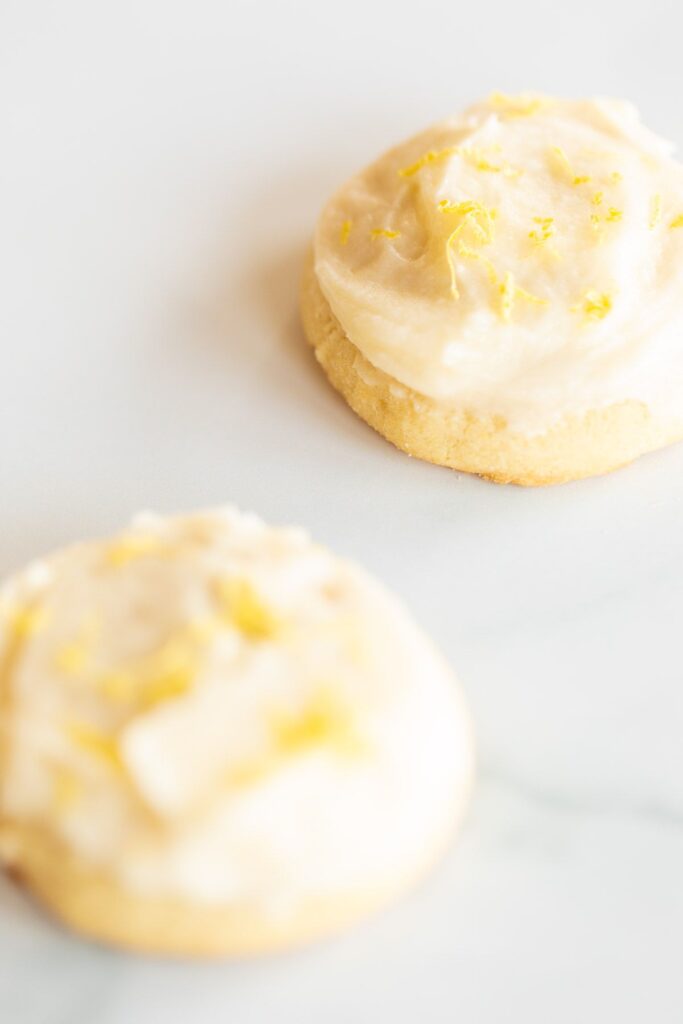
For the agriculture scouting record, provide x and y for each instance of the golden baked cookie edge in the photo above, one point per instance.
(600, 441)
(93, 905)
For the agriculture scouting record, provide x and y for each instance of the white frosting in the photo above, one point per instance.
(609, 271)
(217, 710)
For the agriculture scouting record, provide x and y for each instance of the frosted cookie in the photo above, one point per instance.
(503, 293)
(218, 738)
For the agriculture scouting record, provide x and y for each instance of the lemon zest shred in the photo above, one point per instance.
(507, 289)
(430, 157)
(130, 547)
(94, 741)
(384, 233)
(559, 162)
(478, 214)
(345, 231)
(594, 305)
(72, 659)
(472, 254)
(166, 687)
(147, 691)
(472, 154)
(677, 222)
(545, 231)
(243, 608)
(475, 218)
(169, 672)
(477, 157)
(25, 621)
(597, 198)
(323, 721)
(478, 219)
(655, 211)
(613, 215)
(517, 106)
(165, 674)
(511, 292)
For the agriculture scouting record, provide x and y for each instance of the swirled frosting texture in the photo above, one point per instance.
(208, 708)
(524, 260)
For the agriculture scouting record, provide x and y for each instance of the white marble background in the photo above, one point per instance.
(161, 166)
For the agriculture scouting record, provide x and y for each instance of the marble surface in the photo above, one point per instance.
(162, 167)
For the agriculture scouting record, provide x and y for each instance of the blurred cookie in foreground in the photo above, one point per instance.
(218, 738)
(503, 293)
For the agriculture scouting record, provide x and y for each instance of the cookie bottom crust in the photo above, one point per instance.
(579, 446)
(90, 901)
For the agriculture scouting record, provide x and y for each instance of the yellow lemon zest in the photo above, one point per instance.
(511, 292)
(430, 157)
(677, 222)
(475, 229)
(345, 231)
(72, 659)
(242, 606)
(26, 620)
(384, 233)
(507, 289)
(597, 198)
(94, 741)
(130, 547)
(546, 229)
(612, 216)
(165, 674)
(472, 254)
(477, 157)
(559, 163)
(169, 672)
(484, 214)
(473, 154)
(655, 211)
(521, 105)
(594, 305)
(323, 721)
(167, 687)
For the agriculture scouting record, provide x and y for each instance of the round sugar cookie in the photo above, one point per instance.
(503, 293)
(219, 738)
